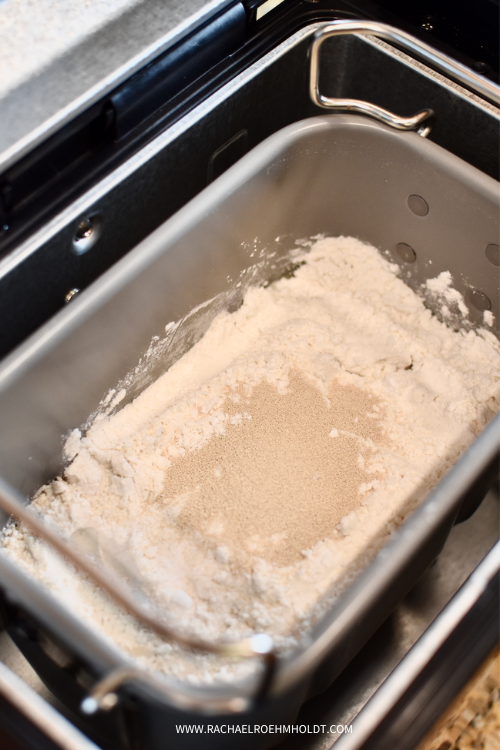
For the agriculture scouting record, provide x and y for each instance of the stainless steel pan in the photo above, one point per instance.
(340, 174)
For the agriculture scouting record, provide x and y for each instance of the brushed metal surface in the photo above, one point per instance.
(332, 175)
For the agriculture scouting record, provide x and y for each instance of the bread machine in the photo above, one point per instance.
(95, 177)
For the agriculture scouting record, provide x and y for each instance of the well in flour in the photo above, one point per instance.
(277, 482)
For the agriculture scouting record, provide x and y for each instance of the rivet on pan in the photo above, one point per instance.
(72, 293)
(90, 705)
(406, 253)
(479, 300)
(417, 205)
(492, 252)
(86, 234)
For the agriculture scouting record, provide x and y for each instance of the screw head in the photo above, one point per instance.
(70, 295)
(86, 234)
(84, 230)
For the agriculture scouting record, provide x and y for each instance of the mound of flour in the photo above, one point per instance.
(245, 488)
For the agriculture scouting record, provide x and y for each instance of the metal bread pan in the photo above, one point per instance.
(341, 174)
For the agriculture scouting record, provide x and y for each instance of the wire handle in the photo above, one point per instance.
(423, 121)
(103, 697)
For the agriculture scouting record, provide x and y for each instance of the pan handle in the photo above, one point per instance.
(423, 121)
(102, 696)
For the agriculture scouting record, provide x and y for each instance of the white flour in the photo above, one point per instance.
(272, 460)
